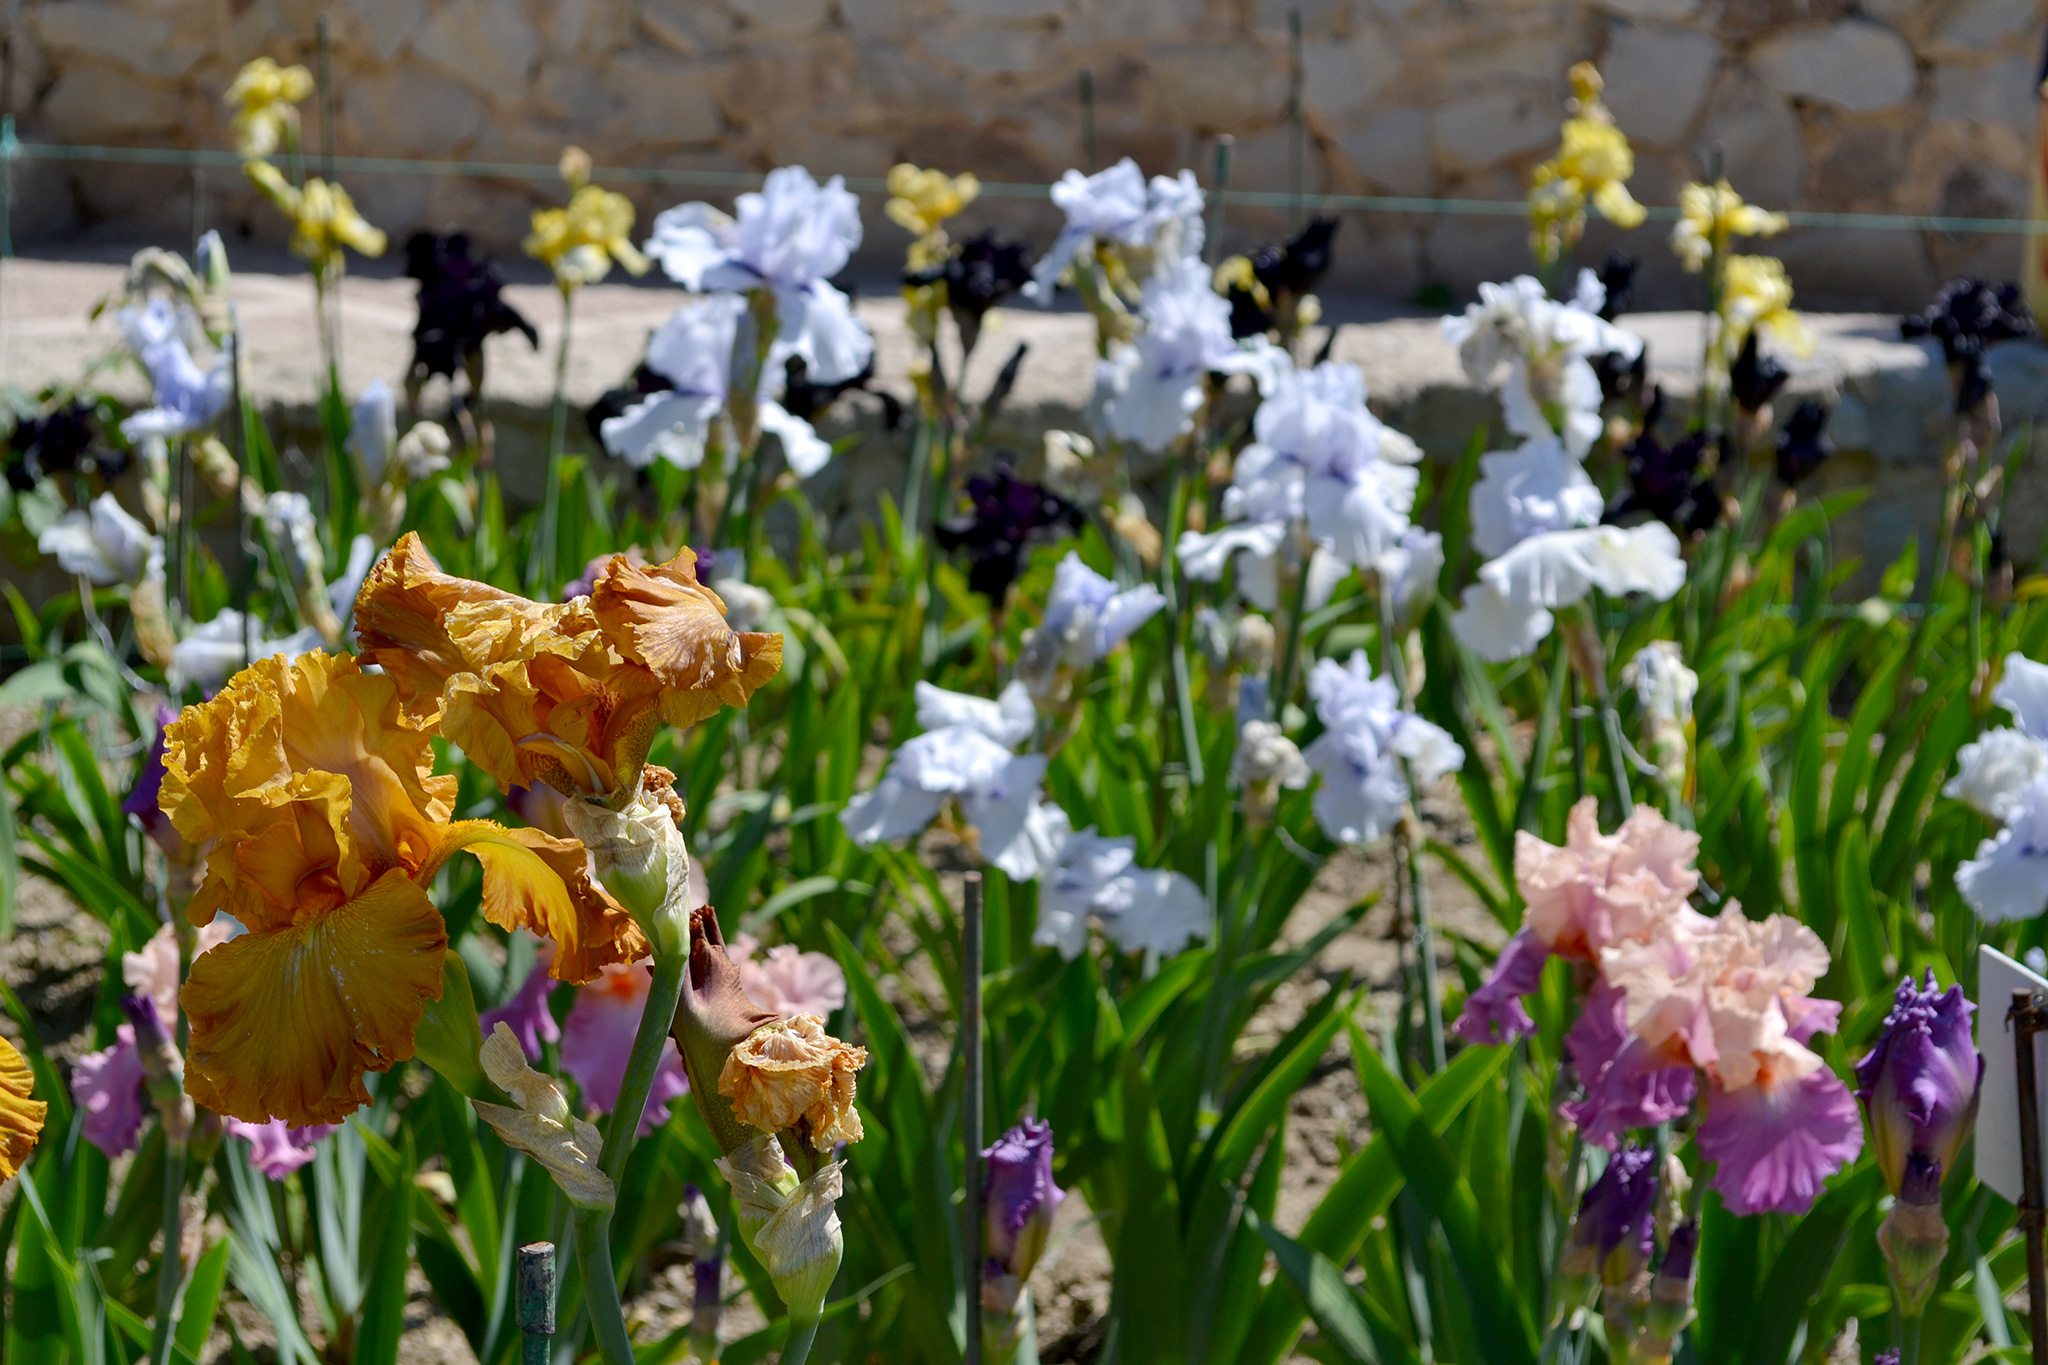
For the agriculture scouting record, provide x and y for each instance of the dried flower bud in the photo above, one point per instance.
(216, 467)
(424, 450)
(792, 1071)
(541, 1125)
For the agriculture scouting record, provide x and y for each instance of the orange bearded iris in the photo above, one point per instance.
(569, 693)
(327, 826)
(21, 1118)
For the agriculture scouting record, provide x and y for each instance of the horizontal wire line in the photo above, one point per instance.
(656, 175)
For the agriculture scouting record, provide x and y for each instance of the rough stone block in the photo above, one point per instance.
(1657, 79)
(383, 26)
(993, 48)
(93, 101)
(2002, 92)
(1393, 152)
(1987, 25)
(663, 101)
(1341, 79)
(412, 113)
(488, 45)
(1485, 130)
(151, 44)
(1235, 88)
(1762, 147)
(1853, 65)
(1669, 11)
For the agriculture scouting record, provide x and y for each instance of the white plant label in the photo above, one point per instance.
(1998, 1112)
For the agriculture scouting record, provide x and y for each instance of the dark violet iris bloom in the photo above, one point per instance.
(60, 441)
(804, 399)
(982, 272)
(1286, 271)
(614, 402)
(1755, 378)
(1967, 316)
(142, 803)
(1666, 483)
(1009, 515)
(1919, 1084)
(1617, 1218)
(1019, 1197)
(1803, 445)
(1618, 277)
(461, 302)
(1621, 375)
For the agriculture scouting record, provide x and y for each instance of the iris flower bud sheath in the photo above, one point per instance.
(1671, 1295)
(641, 859)
(539, 1123)
(163, 1070)
(1914, 1236)
(713, 1017)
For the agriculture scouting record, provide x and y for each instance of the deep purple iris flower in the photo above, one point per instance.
(1755, 378)
(60, 441)
(1009, 514)
(1803, 446)
(461, 303)
(1287, 270)
(1019, 1197)
(1618, 1215)
(1919, 1084)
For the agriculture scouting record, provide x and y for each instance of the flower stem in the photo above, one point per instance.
(1908, 1330)
(594, 1227)
(540, 563)
(1410, 835)
(801, 1335)
(170, 1269)
(601, 1285)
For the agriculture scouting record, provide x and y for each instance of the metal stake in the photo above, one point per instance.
(970, 1107)
(1297, 138)
(535, 1302)
(326, 73)
(1088, 118)
(1225, 145)
(2026, 1018)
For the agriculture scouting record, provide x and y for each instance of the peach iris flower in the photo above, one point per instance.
(567, 693)
(1601, 889)
(326, 827)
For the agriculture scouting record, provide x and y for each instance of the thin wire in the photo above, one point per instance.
(1278, 199)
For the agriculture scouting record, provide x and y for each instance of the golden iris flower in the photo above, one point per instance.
(1712, 216)
(263, 97)
(1756, 291)
(580, 242)
(21, 1118)
(1592, 165)
(566, 693)
(920, 200)
(327, 826)
(324, 218)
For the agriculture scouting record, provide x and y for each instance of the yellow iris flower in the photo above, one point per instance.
(326, 827)
(324, 218)
(1712, 216)
(580, 242)
(1757, 292)
(920, 200)
(263, 97)
(1592, 165)
(21, 1118)
(567, 693)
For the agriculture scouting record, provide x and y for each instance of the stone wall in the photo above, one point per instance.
(1919, 106)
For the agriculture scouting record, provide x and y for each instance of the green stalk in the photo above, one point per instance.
(801, 1335)
(1284, 666)
(540, 561)
(594, 1226)
(1410, 841)
(170, 1269)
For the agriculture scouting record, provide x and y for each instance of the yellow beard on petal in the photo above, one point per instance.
(285, 1023)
